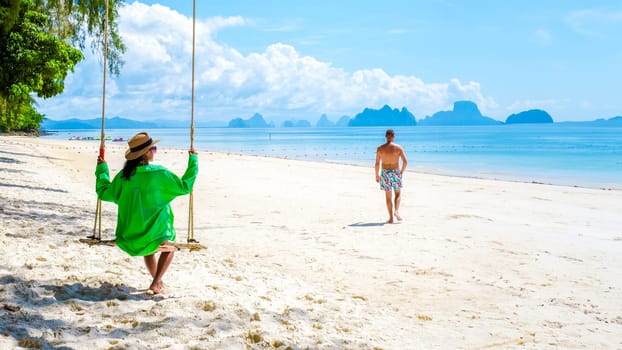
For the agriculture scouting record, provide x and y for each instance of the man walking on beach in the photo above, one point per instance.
(390, 178)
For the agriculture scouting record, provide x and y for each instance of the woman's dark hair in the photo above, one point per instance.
(130, 167)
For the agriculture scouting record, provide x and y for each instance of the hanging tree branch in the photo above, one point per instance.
(76, 21)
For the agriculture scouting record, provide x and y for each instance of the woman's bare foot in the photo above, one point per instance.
(156, 286)
(397, 216)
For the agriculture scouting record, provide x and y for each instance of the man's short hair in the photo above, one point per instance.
(389, 132)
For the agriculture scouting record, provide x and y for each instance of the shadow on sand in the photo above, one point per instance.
(22, 300)
(367, 224)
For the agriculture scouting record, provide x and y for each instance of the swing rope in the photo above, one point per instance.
(97, 228)
(191, 197)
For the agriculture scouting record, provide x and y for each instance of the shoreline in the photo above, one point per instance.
(299, 255)
(517, 179)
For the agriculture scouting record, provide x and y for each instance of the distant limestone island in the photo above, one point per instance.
(257, 121)
(467, 113)
(463, 113)
(384, 117)
(117, 123)
(532, 116)
(86, 124)
(325, 123)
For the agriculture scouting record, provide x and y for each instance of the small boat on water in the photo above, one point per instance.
(107, 138)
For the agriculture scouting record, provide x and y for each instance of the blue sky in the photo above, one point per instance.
(301, 59)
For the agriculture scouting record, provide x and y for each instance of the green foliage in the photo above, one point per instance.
(78, 20)
(21, 117)
(75, 21)
(33, 61)
(40, 43)
(9, 10)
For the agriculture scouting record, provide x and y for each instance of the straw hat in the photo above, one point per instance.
(139, 144)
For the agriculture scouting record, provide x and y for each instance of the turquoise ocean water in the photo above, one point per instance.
(561, 154)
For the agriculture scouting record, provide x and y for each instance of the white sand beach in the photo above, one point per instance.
(298, 257)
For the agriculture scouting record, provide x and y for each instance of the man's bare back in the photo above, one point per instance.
(388, 157)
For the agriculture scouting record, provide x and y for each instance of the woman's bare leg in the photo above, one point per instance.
(150, 261)
(163, 263)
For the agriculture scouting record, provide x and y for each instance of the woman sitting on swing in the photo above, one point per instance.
(143, 193)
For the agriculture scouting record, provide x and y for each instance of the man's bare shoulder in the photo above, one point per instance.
(389, 146)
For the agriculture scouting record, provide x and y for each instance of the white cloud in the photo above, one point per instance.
(594, 22)
(398, 31)
(543, 37)
(217, 23)
(549, 105)
(278, 82)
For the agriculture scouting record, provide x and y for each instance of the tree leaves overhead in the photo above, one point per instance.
(9, 10)
(41, 42)
(79, 20)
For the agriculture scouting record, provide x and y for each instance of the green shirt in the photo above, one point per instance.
(144, 217)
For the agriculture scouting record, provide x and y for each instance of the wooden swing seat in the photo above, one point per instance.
(191, 246)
